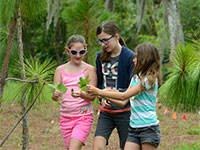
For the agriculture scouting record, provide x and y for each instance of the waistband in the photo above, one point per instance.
(114, 111)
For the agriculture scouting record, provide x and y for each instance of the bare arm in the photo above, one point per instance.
(131, 91)
(57, 79)
(114, 101)
(117, 102)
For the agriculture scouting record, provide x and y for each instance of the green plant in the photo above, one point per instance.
(84, 17)
(194, 131)
(59, 86)
(83, 83)
(37, 73)
(180, 91)
(195, 146)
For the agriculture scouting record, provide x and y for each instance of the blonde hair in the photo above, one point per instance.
(75, 39)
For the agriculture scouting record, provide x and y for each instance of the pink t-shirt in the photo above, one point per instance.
(71, 106)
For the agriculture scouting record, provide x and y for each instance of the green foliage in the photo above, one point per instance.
(10, 91)
(30, 10)
(125, 17)
(180, 91)
(82, 17)
(195, 146)
(7, 11)
(191, 24)
(59, 86)
(33, 9)
(193, 131)
(39, 72)
(3, 46)
(83, 83)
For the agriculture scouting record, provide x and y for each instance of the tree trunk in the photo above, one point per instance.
(7, 58)
(174, 23)
(140, 13)
(23, 76)
(60, 32)
(109, 5)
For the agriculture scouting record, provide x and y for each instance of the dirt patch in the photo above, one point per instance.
(45, 134)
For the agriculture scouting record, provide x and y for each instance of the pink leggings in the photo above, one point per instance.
(76, 128)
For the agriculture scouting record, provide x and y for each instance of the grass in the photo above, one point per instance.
(194, 146)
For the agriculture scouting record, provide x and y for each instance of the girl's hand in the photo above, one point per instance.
(75, 94)
(56, 95)
(92, 90)
(105, 104)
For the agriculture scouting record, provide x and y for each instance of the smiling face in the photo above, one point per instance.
(78, 57)
(107, 41)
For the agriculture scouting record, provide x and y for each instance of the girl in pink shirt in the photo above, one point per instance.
(76, 114)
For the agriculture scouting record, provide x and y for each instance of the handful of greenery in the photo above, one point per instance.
(83, 83)
(59, 86)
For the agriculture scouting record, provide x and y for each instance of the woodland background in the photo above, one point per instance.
(33, 34)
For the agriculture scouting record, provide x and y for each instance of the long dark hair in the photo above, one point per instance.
(148, 63)
(110, 28)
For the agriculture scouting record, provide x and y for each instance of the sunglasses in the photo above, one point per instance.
(105, 41)
(74, 52)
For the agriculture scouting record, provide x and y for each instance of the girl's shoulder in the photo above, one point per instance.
(89, 67)
(126, 55)
(61, 67)
(127, 51)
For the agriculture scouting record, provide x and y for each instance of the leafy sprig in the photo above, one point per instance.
(59, 86)
(83, 83)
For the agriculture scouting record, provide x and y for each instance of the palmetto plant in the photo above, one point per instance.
(181, 90)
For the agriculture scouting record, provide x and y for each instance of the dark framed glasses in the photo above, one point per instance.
(105, 41)
(74, 52)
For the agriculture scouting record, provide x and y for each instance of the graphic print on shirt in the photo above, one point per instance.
(85, 109)
(110, 72)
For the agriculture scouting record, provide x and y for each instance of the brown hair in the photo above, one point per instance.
(110, 28)
(148, 63)
(75, 39)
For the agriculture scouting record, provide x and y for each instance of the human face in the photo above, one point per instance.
(107, 41)
(76, 52)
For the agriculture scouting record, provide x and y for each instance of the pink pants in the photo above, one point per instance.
(76, 128)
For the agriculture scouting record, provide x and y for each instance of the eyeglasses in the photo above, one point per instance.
(105, 41)
(74, 52)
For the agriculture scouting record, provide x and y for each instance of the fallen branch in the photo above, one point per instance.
(21, 80)
(6, 137)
